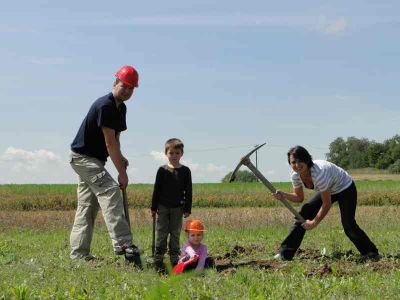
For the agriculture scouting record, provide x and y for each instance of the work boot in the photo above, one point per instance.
(90, 257)
(132, 255)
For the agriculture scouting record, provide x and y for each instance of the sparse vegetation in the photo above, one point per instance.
(34, 262)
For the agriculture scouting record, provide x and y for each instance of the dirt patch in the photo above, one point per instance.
(238, 250)
(309, 254)
(383, 265)
(338, 264)
(259, 264)
(320, 271)
(225, 264)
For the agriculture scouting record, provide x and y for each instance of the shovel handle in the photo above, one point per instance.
(126, 206)
(153, 244)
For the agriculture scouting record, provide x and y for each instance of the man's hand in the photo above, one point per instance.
(153, 213)
(309, 224)
(186, 214)
(123, 180)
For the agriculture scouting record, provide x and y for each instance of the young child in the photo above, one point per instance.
(194, 253)
(172, 200)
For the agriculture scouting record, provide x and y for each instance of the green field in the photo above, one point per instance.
(56, 197)
(245, 227)
(34, 260)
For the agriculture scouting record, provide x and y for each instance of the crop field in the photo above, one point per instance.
(63, 197)
(245, 227)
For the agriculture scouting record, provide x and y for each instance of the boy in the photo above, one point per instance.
(172, 200)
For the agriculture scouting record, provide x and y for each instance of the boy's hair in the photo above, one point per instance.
(301, 154)
(173, 143)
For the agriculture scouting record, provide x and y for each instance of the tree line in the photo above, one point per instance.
(355, 153)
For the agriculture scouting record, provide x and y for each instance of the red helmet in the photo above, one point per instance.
(129, 76)
(194, 225)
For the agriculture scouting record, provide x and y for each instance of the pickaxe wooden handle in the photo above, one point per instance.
(246, 161)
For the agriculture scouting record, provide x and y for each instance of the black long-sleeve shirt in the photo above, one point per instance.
(173, 188)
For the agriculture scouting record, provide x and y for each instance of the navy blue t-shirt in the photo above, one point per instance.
(90, 138)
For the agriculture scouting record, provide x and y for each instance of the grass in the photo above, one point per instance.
(373, 174)
(34, 262)
(63, 197)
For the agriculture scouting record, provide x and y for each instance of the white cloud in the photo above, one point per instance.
(39, 166)
(200, 172)
(271, 172)
(335, 28)
(213, 168)
(158, 156)
(14, 154)
(194, 167)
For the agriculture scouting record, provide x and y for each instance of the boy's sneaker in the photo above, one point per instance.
(160, 267)
(174, 260)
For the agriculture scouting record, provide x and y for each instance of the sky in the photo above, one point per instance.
(223, 76)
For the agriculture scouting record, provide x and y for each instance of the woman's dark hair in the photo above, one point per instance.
(301, 154)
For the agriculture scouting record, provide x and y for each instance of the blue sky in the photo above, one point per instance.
(221, 75)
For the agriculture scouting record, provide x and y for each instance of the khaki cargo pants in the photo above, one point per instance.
(169, 222)
(97, 190)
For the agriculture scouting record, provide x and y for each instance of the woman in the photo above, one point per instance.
(332, 184)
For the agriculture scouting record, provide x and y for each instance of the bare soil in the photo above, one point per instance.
(338, 264)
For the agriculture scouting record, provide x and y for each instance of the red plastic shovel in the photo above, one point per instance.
(179, 268)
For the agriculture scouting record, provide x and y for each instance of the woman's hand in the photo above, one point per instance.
(309, 224)
(278, 195)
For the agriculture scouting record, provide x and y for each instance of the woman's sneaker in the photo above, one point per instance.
(278, 257)
(374, 256)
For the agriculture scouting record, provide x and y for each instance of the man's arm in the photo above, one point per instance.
(119, 143)
(114, 150)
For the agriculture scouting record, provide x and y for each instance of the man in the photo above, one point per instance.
(97, 138)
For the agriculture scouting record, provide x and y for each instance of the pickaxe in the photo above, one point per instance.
(247, 162)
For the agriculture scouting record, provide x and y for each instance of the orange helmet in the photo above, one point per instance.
(194, 225)
(129, 76)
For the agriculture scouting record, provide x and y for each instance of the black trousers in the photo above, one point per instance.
(347, 203)
(209, 263)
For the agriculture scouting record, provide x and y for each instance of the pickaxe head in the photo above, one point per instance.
(242, 161)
